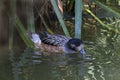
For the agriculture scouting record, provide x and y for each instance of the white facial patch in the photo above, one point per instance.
(72, 45)
(80, 47)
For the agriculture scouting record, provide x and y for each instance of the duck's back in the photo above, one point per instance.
(53, 39)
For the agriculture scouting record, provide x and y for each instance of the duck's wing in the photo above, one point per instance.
(53, 39)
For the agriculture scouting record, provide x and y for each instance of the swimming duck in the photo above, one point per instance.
(57, 43)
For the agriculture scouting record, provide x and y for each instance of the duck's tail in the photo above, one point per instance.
(34, 38)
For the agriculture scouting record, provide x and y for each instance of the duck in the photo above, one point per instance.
(57, 43)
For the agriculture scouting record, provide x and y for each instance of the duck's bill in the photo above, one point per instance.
(82, 52)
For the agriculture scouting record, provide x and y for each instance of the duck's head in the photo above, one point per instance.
(77, 45)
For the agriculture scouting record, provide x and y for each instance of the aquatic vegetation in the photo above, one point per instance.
(77, 10)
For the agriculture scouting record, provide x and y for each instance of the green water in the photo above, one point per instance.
(102, 63)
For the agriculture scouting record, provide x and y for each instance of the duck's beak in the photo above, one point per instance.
(82, 52)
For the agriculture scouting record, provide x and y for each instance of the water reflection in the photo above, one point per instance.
(106, 51)
(54, 67)
(19, 62)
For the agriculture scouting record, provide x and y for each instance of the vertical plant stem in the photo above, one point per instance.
(78, 18)
(23, 34)
(107, 8)
(46, 26)
(60, 18)
(12, 14)
(70, 5)
(106, 26)
(30, 16)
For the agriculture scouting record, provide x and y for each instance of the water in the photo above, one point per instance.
(102, 62)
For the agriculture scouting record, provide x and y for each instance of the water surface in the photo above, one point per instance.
(27, 64)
